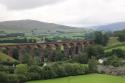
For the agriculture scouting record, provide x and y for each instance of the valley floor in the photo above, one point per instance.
(92, 78)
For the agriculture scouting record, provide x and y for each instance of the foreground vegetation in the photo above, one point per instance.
(92, 78)
(86, 62)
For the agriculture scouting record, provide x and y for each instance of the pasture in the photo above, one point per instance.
(92, 78)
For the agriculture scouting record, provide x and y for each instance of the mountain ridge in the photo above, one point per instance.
(111, 26)
(29, 25)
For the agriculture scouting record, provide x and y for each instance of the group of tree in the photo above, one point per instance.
(99, 37)
(18, 40)
(23, 72)
(120, 35)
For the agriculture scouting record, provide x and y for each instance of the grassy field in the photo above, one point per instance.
(114, 44)
(92, 78)
(117, 47)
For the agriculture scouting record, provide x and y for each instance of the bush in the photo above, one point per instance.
(13, 78)
(114, 61)
(34, 72)
(35, 69)
(21, 69)
(59, 70)
(48, 72)
(4, 77)
(22, 78)
(34, 76)
(92, 65)
(82, 58)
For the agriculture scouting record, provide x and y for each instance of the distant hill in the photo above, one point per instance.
(111, 27)
(29, 25)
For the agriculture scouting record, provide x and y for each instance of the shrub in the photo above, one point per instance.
(59, 70)
(92, 65)
(4, 77)
(34, 76)
(21, 69)
(35, 68)
(13, 78)
(48, 72)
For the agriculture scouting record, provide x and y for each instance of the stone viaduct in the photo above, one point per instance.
(69, 48)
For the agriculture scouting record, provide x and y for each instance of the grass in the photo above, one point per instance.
(113, 43)
(92, 78)
(4, 57)
(118, 47)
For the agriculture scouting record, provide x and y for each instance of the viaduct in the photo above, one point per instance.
(69, 48)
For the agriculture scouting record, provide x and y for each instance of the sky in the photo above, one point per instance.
(78, 13)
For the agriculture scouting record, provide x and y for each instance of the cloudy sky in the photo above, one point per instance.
(67, 12)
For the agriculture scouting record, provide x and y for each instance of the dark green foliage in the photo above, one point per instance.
(27, 59)
(117, 52)
(13, 78)
(34, 76)
(48, 72)
(114, 61)
(120, 35)
(3, 77)
(92, 65)
(95, 50)
(82, 58)
(59, 70)
(101, 38)
(15, 54)
(18, 40)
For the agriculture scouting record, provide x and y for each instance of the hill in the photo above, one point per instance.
(33, 25)
(111, 27)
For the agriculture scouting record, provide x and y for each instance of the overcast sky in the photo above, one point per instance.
(67, 12)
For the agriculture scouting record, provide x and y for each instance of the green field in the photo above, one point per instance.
(92, 78)
(118, 47)
(114, 44)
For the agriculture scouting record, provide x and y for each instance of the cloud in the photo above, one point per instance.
(71, 12)
(26, 4)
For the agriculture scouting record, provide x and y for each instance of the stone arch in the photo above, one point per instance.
(79, 48)
(66, 49)
(72, 49)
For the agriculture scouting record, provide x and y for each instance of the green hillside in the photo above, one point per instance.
(114, 44)
(4, 58)
(29, 26)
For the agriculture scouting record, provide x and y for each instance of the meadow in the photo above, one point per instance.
(113, 43)
(92, 78)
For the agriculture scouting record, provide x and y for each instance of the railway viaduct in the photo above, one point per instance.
(69, 48)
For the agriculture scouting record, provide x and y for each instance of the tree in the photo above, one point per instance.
(21, 69)
(82, 58)
(101, 38)
(16, 54)
(114, 61)
(120, 35)
(92, 65)
(4, 77)
(118, 52)
(47, 72)
(95, 50)
(27, 59)
(59, 70)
